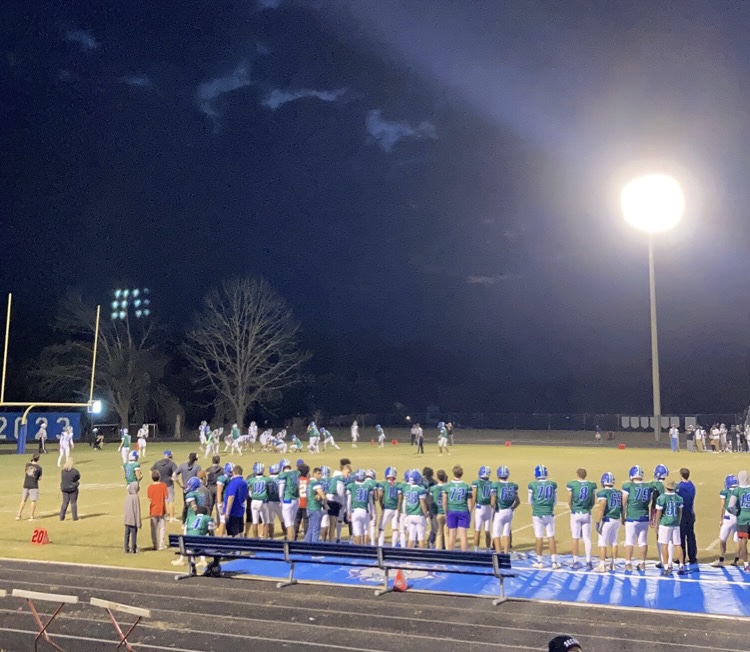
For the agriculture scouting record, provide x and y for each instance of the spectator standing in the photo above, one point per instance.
(32, 475)
(413, 433)
(690, 439)
(674, 438)
(699, 432)
(166, 468)
(420, 439)
(686, 490)
(157, 499)
(449, 428)
(132, 518)
(41, 437)
(184, 472)
(301, 517)
(70, 478)
(235, 498)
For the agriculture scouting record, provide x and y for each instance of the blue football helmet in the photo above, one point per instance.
(325, 471)
(300, 462)
(273, 469)
(731, 481)
(391, 472)
(503, 472)
(259, 468)
(540, 472)
(133, 456)
(228, 468)
(284, 463)
(608, 479)
(359, 475)
(370, 473)
(635, 472)
(485, 472)
(415, 477)
(660, 472)
(378, 428)
(441, 424)
(192, 484)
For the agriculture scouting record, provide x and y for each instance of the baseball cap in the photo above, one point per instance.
(564, 643)
(168, 453)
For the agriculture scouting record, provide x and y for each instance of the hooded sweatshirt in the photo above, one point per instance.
(132, 506)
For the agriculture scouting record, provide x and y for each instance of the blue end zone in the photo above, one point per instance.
(706, 590)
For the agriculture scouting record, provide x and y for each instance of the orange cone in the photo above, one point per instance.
(399, 584)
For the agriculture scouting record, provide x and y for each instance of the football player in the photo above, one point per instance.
(505, 500)
(543, 498)
(728, 522)
(609, 517)
(636, 504)
(581, 498)
(481, 493)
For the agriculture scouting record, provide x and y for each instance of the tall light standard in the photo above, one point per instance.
(653, 203)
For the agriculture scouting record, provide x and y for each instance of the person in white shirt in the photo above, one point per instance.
(41, 437)
(66, 443)
(355, 434)
(142, 435)
(253, 432)
(674, 439)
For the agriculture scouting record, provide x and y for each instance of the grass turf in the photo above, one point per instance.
(97, 538)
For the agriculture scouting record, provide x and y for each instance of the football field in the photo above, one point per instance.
(97, 538)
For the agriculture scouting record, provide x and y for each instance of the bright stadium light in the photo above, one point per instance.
(653, 203)
(130, 298)
(96, 407)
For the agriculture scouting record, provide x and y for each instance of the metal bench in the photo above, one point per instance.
(386, 559)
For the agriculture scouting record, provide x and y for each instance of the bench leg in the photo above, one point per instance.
(502, 597)
(290, 581)
(192, 571)
(386, 588)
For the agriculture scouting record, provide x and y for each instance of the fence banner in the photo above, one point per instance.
(10, 424)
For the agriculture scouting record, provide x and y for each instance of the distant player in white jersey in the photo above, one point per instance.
(265, 441)
(203, 431)
(142, 435)
(252, 431)
(328, 439)
(66, 443)
(212, 443)
(442, 439)
(381, 435)
(355, 434)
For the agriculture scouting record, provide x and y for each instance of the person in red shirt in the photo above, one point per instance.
(157, 497)
(304, 479)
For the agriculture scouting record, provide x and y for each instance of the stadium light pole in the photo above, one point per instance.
(653, 203)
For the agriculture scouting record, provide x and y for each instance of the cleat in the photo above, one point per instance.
(736, 562)
(556, 566)
(718, 563)
(659, 565)
(612, 566)
(576, 565)
(682, 571)
(640, 567)
(628, 567)
(600, 568)
(589, 566)
(537, 564)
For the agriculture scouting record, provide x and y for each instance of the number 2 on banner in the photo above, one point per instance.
(3, 426)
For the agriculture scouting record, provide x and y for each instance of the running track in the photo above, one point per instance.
(218, 615)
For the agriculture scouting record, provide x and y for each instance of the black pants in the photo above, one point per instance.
(131, 538)
(298, 520)
(412, 439)
(69, 498)
(687, 537)
(184, 508)
(420, 445)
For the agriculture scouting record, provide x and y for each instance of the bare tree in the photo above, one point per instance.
(243, 344)
(129, 368)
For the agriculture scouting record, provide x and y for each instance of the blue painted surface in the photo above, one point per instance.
(10, 425)
(705, 590)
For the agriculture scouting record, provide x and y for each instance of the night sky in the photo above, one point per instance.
(431, 177)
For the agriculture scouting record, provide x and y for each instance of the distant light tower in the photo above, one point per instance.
(653, 203)
(125, 301)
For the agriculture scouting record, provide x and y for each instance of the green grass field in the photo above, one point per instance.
(97, 537)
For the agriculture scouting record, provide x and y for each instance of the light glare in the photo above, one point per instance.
(653, 203)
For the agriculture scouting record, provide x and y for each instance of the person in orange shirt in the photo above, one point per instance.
(157, 497)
